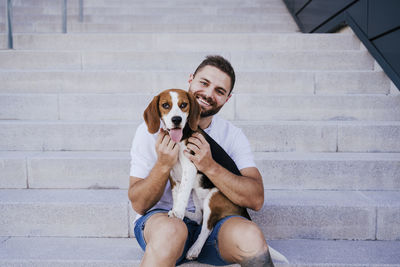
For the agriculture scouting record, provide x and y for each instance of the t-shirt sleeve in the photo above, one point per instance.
(241, 153)
(143, 154)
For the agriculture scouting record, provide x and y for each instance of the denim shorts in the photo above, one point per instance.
(210, 252)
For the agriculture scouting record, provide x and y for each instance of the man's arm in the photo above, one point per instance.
(246, 190)
(145, 193)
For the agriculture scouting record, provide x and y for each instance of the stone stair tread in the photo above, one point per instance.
(285, 82)
(280, 170)
(158, 18)
(183, 61)
(76, 27)
(273, 136)
(255, 106)
(272, 197)
(339, 156)
(185, 41)
(319, 253)
(59, 196)
(318, 214)
(47, 251)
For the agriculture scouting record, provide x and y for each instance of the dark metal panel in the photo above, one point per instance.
(319, 11)
(299, 4)
(290, 5)
(388, 45)
(383, 15)
(333, 25)
(359, 13)
(375, 22)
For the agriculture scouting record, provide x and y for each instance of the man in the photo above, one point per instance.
(166, 240)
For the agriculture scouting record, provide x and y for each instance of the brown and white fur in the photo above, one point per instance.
(179, 113)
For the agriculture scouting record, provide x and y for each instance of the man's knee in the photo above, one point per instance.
(250, 240)
(166, 237)
(241, 239)
(252, 249)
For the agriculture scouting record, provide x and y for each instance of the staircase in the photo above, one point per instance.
(322, 118)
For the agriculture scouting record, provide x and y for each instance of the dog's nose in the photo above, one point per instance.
(176, 120)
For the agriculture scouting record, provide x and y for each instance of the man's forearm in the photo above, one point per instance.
(145, 193)
(244, 191)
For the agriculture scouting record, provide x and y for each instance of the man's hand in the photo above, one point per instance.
(167, 150)
(202, 157)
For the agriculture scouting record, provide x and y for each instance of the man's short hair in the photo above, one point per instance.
(220, 63)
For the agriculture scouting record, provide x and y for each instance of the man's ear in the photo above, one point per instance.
(152, 116)
(194, 112)
(191, 77)
(229, 96)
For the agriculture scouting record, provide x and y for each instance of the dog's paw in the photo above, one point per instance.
(175, 214)
(193, 252)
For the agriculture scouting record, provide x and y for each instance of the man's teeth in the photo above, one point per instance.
(204, 102)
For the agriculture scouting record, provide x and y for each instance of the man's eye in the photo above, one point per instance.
(204, 83)
(165, 105)
(183, 105)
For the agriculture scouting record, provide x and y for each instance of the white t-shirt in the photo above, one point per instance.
(228, 136)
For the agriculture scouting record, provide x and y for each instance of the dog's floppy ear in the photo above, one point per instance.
(152, 115)
(194, 112)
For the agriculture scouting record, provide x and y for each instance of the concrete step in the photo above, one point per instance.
(121, 252)
(354, 107)
(37, 27)
(246, 107)
(152, 3)
(36, 17)
(186, 42)
(264, 136)
(152, 82)
(3, 38)
(290, 171)
(186, 18)
(154, 27)
(335, 136)
(329, 171)
(142, 9)
(184, 3)
(183, 61)
(69, 213)
(348, 215)
(178, 10)
(277, 26)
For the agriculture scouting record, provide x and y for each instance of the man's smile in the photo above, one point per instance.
(203, 102)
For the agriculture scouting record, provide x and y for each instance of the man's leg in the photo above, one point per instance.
(165, 240)
(243, 242)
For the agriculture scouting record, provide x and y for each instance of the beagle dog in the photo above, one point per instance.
(179, 113)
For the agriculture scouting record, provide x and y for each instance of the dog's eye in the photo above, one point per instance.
(165, 105)
(183, 105)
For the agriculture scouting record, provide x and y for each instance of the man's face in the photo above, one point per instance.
(211, 88)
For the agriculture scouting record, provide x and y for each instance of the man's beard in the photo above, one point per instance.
(210, 112)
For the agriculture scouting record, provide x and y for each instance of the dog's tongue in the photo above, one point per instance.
(176, 135)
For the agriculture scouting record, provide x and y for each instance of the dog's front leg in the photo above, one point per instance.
(198, 214)
(189, 172)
